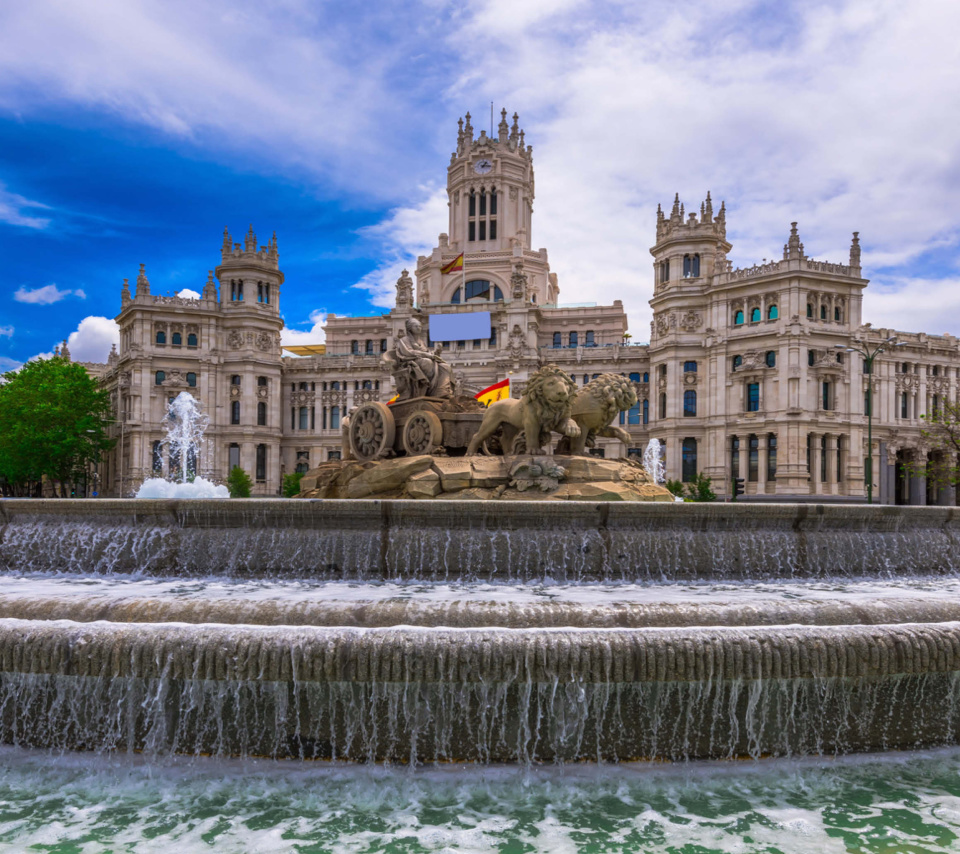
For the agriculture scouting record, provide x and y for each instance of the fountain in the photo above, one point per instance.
(526, 631)
(653, 461)
(186, 424)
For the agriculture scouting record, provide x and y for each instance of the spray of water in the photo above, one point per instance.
(653, 461)
(185, 424)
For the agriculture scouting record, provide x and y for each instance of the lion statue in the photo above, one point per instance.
(594, 408)
(543, 409)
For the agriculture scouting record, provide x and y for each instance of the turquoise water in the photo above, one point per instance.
(894, 803)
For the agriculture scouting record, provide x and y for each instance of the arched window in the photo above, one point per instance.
(646, 377)
(383, 345)
(478, 290)
(737, 362)
(235, 412)
(159, 377)
(836, 314)
(689, 367)
(368, 349)
(557, 340)
(634, 377)
(738, 318)
(772, 313)
(755, 315)
(809, 309)
(589, 342)
(261, 414)
(811, 357)
(771, 358)
(177, 339)
(354, 348)
(646, 411)
(633, 415)
(335, 385)
(334, 417)
(573, 339)
(689, 403)
(823, 312)
(192, 339)
(367, 384)
(689, 460)
(192, 380)
(161, 338)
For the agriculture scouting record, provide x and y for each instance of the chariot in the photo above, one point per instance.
(419, 425)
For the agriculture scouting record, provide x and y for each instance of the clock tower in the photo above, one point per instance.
(490, 190)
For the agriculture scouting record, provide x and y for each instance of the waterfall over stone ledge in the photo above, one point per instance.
(474, 680)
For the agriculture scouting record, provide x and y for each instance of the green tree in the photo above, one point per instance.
(941, 435)
(53, 422)
(239, 483)
(291, 484)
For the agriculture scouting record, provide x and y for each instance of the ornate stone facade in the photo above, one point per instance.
(746, 372)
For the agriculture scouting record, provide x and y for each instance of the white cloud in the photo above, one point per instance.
(8, 364)
(401, 237)
(6, 331)
(92, 339)
(47, 295)
(314, 335)
(188, 293)
(317, 87)
(15, 209)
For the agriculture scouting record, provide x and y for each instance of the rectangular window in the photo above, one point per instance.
(303, 418)
(323, 418)
(471, 231)
(493, 229)
(313, 418)
(771, 457)
(235, 412)
(261, 463)
(493, 203)
(293, 418)
(573, 339)
(590, 340)
(753, 397)
(825, 399)
(904, 406)
(866, 403)
(557, 339)
(483, 229)
(234, 457)
(473, 205)
(735, 457)
(483, 204)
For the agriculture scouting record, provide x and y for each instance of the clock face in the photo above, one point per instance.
(481, 167)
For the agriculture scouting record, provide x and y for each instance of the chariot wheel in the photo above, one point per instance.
(423, 433)
(372, 431)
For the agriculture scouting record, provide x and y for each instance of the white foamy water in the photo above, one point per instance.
(157, 487)
(891, 803)
(299, 591)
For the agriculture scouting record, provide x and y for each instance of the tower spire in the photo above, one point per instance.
(143, 284)
(503, 130)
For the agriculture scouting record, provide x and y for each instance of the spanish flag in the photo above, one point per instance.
(393, 399)
(454, 266)
(499, 391)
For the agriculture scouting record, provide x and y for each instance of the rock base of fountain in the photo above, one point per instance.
(523, 477)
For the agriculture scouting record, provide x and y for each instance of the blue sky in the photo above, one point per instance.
(133, 132)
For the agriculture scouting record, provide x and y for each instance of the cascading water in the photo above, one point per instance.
(185, 425)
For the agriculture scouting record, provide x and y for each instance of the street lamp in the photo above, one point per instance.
(868, 356)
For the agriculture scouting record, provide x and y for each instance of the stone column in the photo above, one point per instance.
(762, 452)
(816, 485)
(918, 484)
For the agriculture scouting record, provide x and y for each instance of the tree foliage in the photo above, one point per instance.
(239, 483)
(941, 435)
(701, 488)
(53, 423)
(291, 484)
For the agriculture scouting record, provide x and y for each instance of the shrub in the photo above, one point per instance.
(239, 483)
(675, 486)
(699, 489)
(291, 484)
